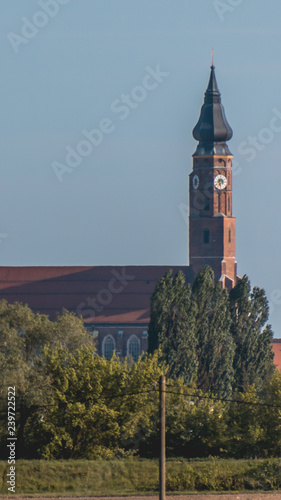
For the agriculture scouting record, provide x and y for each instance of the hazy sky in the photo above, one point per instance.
(135, 71)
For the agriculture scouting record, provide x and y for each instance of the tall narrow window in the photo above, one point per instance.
(206, 237)
(229, 207)
(207, 204)
(229, 236)
(133, 347)
(108, 347)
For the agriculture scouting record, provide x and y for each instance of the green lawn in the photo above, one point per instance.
(132, 476)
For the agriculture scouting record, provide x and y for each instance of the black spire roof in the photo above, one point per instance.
(212, 129)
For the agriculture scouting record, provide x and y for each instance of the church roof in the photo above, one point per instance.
(212, 129)
(100, 294)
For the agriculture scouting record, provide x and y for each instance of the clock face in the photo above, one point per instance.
(195, 181)
(220, 181)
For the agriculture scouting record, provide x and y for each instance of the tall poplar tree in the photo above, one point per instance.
(253, 360)
(172, 325)
(215, 347)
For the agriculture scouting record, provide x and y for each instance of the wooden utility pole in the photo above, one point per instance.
(162, 472)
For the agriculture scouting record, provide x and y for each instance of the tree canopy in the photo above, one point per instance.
(213, 345)
(172, 325)
(210, 336)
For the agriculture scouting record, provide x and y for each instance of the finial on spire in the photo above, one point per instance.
(212, 54)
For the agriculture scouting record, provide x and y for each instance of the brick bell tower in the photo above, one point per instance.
(211, 224)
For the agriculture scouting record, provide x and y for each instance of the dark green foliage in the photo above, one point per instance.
(253, 360)
(172, 326)
(215, 348)
(208, 335)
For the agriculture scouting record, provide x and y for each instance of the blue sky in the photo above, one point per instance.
(125, 202)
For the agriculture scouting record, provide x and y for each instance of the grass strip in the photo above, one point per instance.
(139, 476)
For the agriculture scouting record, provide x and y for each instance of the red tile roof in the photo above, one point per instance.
(101, 294)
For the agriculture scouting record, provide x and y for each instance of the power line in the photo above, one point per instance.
(226, 400)
(82, 400)
(105, 395)
(124, 395)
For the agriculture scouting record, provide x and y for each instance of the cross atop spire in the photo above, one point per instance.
(212, 54)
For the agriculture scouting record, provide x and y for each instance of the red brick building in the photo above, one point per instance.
(276, 347)
(115, 301)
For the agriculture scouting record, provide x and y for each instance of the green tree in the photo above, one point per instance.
(196, 424)
(23, 336)
(253, 360)
(98, 408)
(270, 417)
(172, 326)
(246, 428)
(215, 347)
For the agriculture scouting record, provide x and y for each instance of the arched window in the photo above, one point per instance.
(229, 236)
(206, 236)
(133, 347)
(108, 347)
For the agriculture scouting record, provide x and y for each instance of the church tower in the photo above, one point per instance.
(211, 224)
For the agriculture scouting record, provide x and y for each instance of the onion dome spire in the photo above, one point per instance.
(212, 129)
